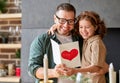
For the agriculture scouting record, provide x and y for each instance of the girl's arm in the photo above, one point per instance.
(91, 69)
(52, 29)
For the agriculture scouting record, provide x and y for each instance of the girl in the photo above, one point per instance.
(92, 29)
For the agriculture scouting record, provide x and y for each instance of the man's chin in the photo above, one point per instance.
(63, 32)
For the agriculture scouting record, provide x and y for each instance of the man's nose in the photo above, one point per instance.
(66, 23)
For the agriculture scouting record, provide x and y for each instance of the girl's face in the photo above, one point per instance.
(86, 29)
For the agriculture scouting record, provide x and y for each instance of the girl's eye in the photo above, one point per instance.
(87, 27)
(80, 27)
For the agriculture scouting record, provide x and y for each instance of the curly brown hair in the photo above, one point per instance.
(95, 20)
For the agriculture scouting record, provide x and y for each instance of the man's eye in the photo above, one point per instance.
(71, 21)
(63, 20)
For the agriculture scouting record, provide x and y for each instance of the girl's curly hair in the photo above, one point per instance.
(95, 20)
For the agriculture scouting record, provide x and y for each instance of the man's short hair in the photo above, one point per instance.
(66, 7)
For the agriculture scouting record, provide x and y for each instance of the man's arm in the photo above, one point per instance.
(103, 70)
(51, 73)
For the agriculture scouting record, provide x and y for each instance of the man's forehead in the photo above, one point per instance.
(68, 14)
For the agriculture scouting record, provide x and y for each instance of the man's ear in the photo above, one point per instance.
(55, 19)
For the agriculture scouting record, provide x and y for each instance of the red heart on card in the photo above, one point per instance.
(69, 55)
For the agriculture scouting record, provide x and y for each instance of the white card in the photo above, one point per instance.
(68, 53)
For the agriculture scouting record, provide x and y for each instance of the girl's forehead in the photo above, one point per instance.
(84, 21)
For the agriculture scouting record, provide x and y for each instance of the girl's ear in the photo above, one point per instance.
(96, 27)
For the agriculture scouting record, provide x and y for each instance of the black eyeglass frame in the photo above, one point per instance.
(63, 20)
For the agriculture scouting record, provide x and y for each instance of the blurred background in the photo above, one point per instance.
(22, 20)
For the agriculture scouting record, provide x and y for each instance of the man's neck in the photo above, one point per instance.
(64, 38)
(68, 34)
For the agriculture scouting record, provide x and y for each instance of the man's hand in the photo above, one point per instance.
(103, 70)
(60, 69)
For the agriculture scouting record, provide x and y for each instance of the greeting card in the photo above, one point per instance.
(67, 53)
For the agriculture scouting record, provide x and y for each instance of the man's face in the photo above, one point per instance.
(65, 21)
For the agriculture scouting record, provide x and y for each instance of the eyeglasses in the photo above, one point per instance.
(63, 20)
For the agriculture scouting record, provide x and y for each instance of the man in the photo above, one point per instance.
(64, 18)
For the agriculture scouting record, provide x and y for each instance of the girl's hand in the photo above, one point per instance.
(69, 71)
(52, 29)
